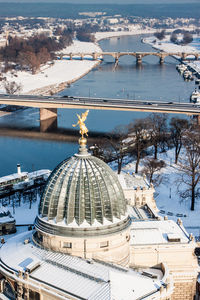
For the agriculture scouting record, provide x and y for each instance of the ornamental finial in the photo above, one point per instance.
(81, 124)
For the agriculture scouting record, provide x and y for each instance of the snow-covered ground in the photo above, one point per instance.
(134, 30)
(166, 46)
(166, 195)
(64, 71)
(61, 71)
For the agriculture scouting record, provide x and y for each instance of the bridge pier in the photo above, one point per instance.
(116, 61)
(50, 124)
(138, 59)
(162, 60)
(94, 55)
(48, 118)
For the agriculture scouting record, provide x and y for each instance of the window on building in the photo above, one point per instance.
(67, 245)
(104, 244)
(34, 295)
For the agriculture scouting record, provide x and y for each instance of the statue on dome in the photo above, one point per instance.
(81, 120)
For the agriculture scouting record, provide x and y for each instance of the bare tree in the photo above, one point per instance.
(160, 34)
(140, 138)
(119, 144)
(157, 127)
(177, 128)
(189, 167)
(12, 87)
(31, 60)
(113, 148)
(151, 166)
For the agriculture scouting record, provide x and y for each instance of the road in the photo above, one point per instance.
(101, 103)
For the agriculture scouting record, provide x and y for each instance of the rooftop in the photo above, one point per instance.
(72, 275)
(157, 232)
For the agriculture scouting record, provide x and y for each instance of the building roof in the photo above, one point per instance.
(81, 278)
(132, 181)
(5, 216)
(157, 232)
(83, 190)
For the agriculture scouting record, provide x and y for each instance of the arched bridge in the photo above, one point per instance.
(138, 55)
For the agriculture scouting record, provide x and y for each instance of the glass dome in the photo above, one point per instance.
(83, 190)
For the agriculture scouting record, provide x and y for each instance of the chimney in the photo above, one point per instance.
(18, 169)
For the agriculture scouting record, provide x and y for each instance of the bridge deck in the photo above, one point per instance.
(101, 104)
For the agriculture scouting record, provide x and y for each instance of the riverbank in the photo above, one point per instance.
(57, 75)
(54, 77)
(132, 31)
(167, 46)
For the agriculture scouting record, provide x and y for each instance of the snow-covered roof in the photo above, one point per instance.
(5, 216)
(73, 275)
(157, 232)
(132, 181)
(39, 173)
(13, 176)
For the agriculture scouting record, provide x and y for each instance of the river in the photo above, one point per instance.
(150, 81)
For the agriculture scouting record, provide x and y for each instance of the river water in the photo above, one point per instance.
(150, 81)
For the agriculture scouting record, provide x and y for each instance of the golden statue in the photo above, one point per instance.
(81, 120)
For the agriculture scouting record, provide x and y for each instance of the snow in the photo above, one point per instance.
(166, 46)
(167, 197)
(156, 232)
(13, 176)
(76, 275)
(133, 30)
(61, 71)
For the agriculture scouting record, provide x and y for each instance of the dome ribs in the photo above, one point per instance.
(97, 200)
(89, 194)
(70, 196)
(83, 191)
(61, 208)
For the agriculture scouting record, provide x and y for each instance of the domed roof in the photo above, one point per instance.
(83, 190)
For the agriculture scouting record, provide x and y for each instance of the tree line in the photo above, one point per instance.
(157, 134)
(178, 36)
(31, 53)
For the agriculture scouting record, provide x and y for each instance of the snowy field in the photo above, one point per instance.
(61, 71)
(166, 46)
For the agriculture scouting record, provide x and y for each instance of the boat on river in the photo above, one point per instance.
(195, 96)
(181, 68)
(188, 75)
(22, 181)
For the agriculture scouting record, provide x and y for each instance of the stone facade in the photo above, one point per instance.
(180, 259)
(113, 248)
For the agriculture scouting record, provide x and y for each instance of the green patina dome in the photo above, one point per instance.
(82, 190)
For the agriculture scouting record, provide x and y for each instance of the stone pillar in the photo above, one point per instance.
(116, 61)
(19, 291)
(48, 113)
(94, 55)
(162, 59)
(48, 119)
(47, 125)
(138, 59)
